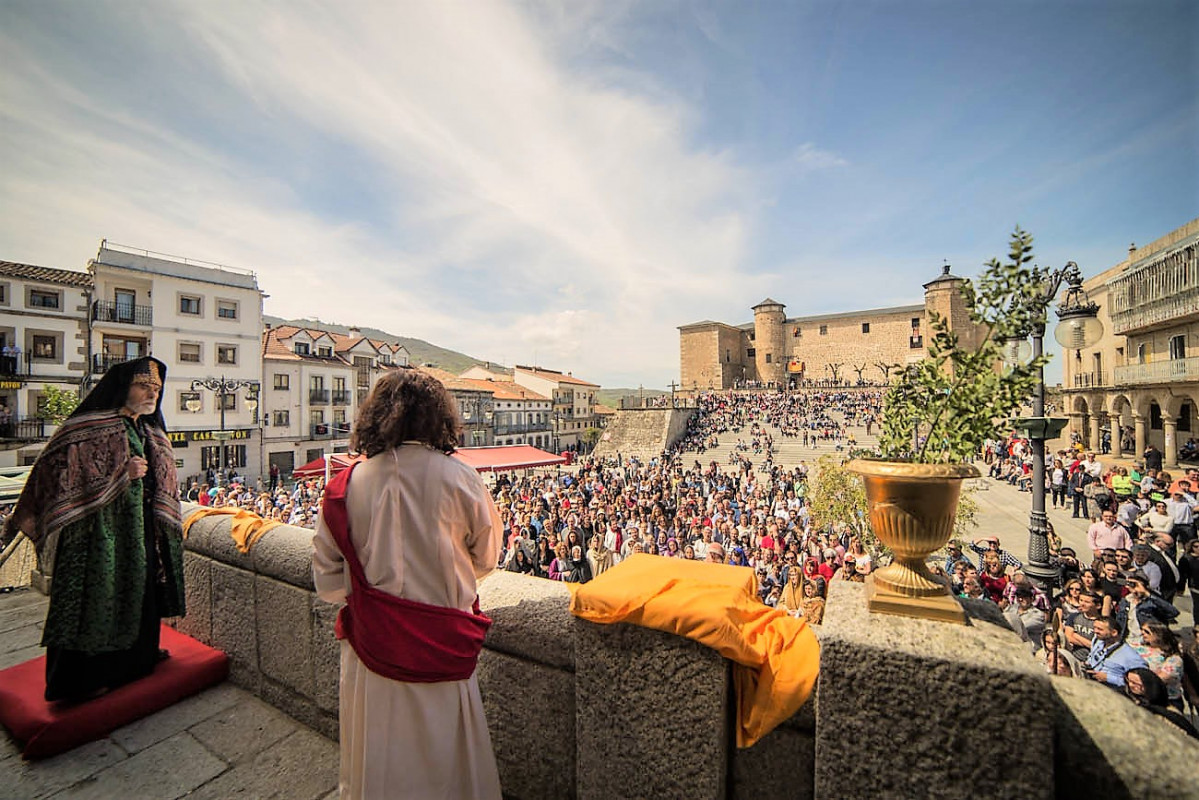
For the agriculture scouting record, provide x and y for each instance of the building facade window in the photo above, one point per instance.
(3, 294)
(301, 349)
(751, 352)
(824, 330)
(228, 401)
(45, 347)
(281, 418)
(226, 309)
(865, 327)
(768, 357)
(189, 304)
(41, 298)
(324, 351)
(282, 380)
(1178, 347)
(189, 352)
(190, 397)
(226, 354)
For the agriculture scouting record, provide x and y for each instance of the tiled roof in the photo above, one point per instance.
(275, 345)
(452, 382)
(31, 272)
(553, 375)
(506, 390)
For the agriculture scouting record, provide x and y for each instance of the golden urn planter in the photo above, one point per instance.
(912, 510)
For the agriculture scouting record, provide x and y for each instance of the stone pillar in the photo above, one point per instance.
(922, 739)
(628, 720)
(1170, 448)
(1117, 436)
(1138, 428)
(1096, 436)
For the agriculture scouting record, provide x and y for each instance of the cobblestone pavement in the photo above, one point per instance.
(221, 743)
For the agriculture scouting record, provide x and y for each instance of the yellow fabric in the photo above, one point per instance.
(246, 527)
(776, 657)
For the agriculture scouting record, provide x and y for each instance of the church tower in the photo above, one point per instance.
(770, 340)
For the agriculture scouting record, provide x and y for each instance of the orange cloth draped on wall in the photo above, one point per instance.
(246, 527)
(776, 657)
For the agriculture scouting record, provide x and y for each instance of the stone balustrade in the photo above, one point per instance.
(903, 708)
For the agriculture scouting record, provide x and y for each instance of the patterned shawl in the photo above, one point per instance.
(83, 469)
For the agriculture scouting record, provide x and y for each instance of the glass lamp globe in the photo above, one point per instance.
(1016, 351)
(193, 404)
(1078, 331)
(252, 404)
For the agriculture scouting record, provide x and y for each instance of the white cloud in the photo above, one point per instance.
(810, 157)
(500, 165)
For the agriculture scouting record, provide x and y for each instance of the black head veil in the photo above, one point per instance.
(113, 388)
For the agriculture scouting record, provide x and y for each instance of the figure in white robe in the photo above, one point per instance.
(425, 529)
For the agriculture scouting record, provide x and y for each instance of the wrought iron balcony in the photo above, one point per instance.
(108, 311)
(1176, 369)
(318, 396)
(321, 430)
(101, 362)
(341, 397)
(1090, 380)
(1158, 294)
(26, 430)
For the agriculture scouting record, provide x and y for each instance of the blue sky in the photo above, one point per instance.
(567, 182)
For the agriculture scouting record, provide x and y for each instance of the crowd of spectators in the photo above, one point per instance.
(298, 505)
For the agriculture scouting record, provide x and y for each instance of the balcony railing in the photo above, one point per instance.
(1156, 295)
(1090, 380)
(503, 429)
(24, 430)
(321, 430)
(108, 311)
(318, 395)
(341, 397)
(101, 362)
(1177, 369)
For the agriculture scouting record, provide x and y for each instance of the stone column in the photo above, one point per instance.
(1170, 448)
(1138, 427)
(1096, 437)
(1117, 436)
(1076, 425)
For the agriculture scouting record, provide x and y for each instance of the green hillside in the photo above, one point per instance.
(420, 351)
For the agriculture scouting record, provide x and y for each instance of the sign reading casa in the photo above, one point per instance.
(183, 437)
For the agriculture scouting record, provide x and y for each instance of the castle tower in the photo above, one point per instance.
(770, 341)
(943, 295)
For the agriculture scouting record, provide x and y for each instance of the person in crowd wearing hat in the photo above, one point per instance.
(991, 543)
(105, 490)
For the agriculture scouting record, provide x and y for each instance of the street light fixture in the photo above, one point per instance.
(1078, 328)
(220, 387)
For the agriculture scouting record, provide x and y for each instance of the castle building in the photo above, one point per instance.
(853, 347)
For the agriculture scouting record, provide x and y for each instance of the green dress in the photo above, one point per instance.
(114, 579)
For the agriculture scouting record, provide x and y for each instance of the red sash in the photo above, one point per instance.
(400, 639)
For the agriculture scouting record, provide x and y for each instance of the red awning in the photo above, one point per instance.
(316, 467)
(516, 456)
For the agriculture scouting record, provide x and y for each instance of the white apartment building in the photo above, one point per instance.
(573, 410)
(520, 415)
(314, 381)
(204, 321)
(43, 315)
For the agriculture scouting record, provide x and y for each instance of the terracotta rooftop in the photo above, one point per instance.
(554, 375)
(451, 381)
(32, 272)
(506, 390)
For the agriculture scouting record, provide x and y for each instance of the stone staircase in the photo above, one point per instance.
(640, 433)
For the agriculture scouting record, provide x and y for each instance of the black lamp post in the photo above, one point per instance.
(223, 386)
(1078, 328)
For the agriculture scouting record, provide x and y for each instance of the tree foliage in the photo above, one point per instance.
(57, 404)
(945, 406)
(836, 496)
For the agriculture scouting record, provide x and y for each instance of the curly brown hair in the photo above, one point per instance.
(406, 405)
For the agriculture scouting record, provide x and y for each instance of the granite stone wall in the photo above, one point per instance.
(903, 708)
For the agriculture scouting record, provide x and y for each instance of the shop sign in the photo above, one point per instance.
(181, 438)
(11, 384)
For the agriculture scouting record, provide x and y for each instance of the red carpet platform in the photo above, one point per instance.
(47, 729)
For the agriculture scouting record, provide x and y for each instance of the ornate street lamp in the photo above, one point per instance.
(220, 387)
(1078, 328)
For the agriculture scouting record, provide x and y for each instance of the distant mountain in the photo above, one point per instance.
(419, 351)
(612, 397)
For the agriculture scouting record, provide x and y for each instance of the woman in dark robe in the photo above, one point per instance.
(102, 507)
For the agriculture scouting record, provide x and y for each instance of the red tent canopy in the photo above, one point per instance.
(516, 456)
(316, 467)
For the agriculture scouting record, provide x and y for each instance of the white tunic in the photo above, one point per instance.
(425, 529)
